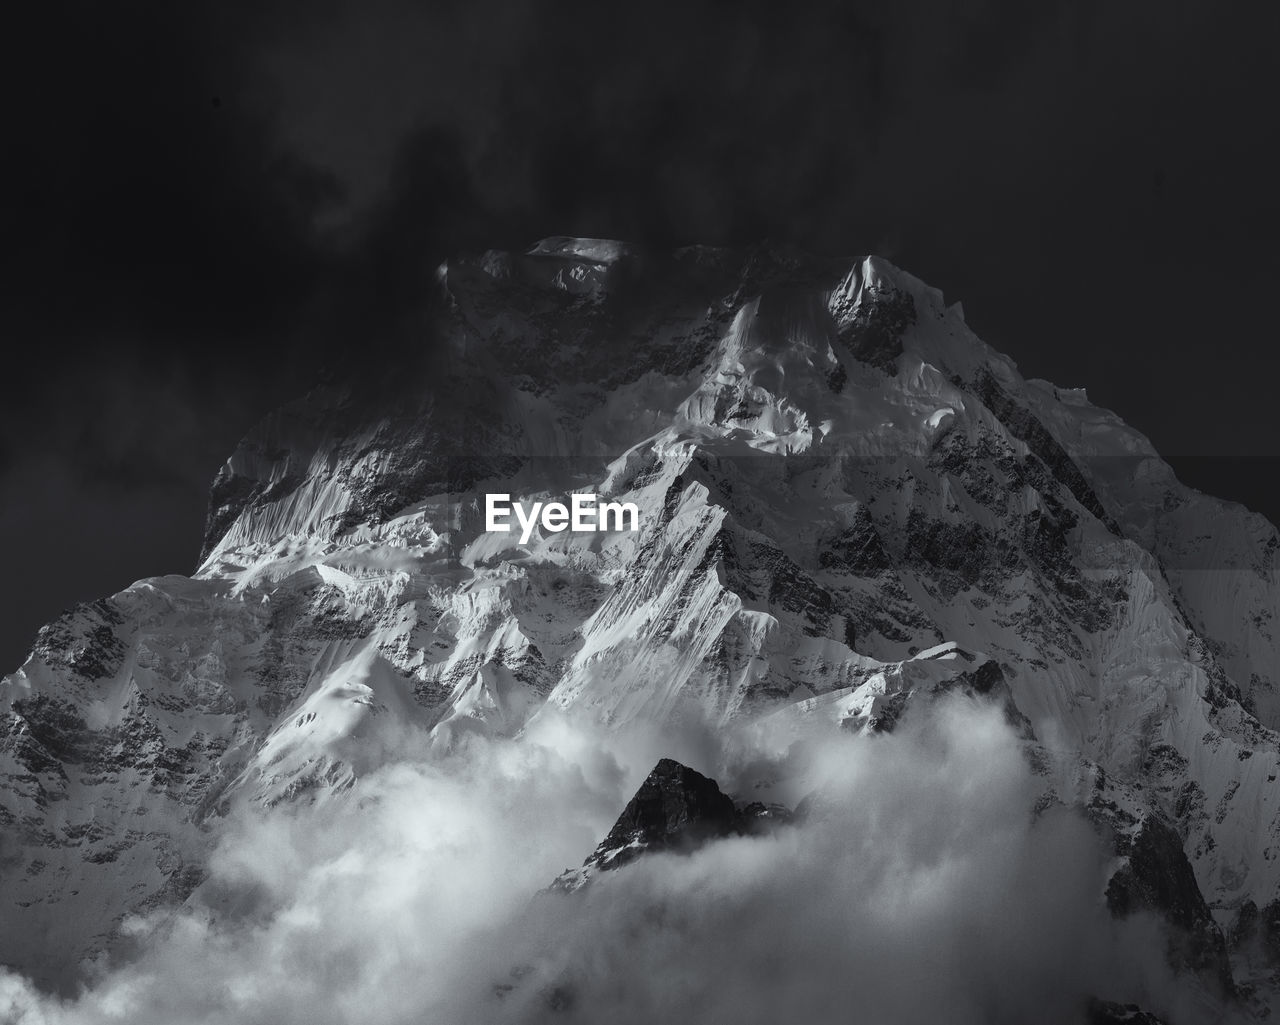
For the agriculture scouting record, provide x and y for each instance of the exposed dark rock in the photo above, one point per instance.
(962, 554)
(1026, 426)
(764, 576)
(983, 679)
(794, 590)
(229, 494)
(887, 714)
(873, 334)
(1158, 877)
(676, 808)
(857, 549)
(83, 639)
(45, 733)
(836, 378)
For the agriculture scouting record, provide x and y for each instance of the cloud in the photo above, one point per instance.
(923, 890)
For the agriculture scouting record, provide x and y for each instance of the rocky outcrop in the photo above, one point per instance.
(677, 810)
(1156, 876)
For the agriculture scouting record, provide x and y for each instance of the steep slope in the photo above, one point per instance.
(846, 502)
(675, 809)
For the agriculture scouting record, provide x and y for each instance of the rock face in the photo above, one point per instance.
(848, 505)
(675, 809)
(1156, 876)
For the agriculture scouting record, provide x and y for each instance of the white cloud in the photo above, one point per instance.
(923, 890)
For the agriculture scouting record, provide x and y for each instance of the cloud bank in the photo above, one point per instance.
(920, 887)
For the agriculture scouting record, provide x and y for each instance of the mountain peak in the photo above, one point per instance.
(675, 809)
(847, 505)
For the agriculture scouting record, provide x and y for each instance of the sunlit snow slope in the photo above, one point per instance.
(846, 499)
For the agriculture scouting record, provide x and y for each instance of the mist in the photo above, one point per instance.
(920, 886)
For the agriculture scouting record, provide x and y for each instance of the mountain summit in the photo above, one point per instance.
(849, 507)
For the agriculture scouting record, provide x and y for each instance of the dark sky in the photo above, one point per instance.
(206, 203)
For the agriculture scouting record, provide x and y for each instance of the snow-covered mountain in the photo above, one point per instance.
(848, 505)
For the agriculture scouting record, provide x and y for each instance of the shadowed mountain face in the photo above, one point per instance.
(675, 808)
(849, 509)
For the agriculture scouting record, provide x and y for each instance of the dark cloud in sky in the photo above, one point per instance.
(205, 204)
